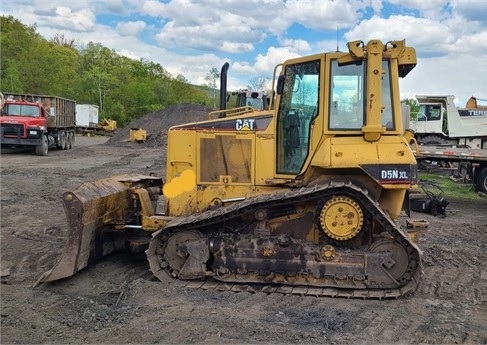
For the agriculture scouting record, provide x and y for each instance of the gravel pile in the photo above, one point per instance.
(157, 124)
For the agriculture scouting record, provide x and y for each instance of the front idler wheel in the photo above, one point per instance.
(397, 267)
(184, 254)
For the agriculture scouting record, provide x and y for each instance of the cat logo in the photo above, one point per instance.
(244, 125)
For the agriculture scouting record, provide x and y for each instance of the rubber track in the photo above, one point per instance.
(291, 196)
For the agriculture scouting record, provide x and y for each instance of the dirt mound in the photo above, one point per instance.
(157, 124)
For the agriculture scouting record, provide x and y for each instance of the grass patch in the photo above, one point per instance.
(451, 189)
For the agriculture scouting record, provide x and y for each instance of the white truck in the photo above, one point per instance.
(440, 122)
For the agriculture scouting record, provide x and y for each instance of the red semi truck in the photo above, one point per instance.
(37, 121)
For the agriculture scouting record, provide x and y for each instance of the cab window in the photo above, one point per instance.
(347, 103)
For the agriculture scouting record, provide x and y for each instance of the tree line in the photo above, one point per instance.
(123, 88)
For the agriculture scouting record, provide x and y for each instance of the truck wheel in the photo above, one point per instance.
(482, 181)
(69, 140)
(64, 140)
(43, 147)
(432, 140)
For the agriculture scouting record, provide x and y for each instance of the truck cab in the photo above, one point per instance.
(39, 122)
(440, 122)
(430, 119)
(22, 123)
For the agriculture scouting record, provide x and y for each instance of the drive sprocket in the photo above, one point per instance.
(340, 217)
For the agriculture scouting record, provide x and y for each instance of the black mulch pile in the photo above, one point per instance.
(157, 124)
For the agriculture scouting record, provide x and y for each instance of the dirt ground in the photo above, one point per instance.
(117, 300)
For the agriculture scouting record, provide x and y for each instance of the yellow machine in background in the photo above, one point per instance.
(257, 100)
(305, 195)
(105, 127)
(108, 125)
(138, 135)
(472, 103)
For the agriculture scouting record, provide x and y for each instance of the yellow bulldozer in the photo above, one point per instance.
(108, 125)
(268, 199)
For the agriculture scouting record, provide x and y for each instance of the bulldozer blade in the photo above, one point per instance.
(90, 210)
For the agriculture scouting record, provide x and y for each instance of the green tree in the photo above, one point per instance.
(11, 78)
(211, 79)
(413, 105)
(17, 44)
(31, 64)
(97, 66)
(139, 99)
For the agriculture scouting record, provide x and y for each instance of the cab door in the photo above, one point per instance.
(298, 107)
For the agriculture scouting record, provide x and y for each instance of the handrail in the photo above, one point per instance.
(231, 112)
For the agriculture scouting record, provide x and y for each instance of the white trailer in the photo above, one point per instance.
(473, 160)
(86, 116)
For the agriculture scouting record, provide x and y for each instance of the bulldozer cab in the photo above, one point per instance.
(337, 94)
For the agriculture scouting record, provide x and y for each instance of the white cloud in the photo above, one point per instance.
(447, 75)
(471, 10)
(397, 27)
(50, 16)
(230, 27)
(110, 6)
(429, 37)
(433, 9)
(323, 15)
(264, 63)
(130, 28)
(301, 47)
(209, 37)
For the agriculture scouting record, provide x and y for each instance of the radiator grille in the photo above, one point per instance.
(12, 130)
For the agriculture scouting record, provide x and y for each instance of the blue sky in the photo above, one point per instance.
(190, 37)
